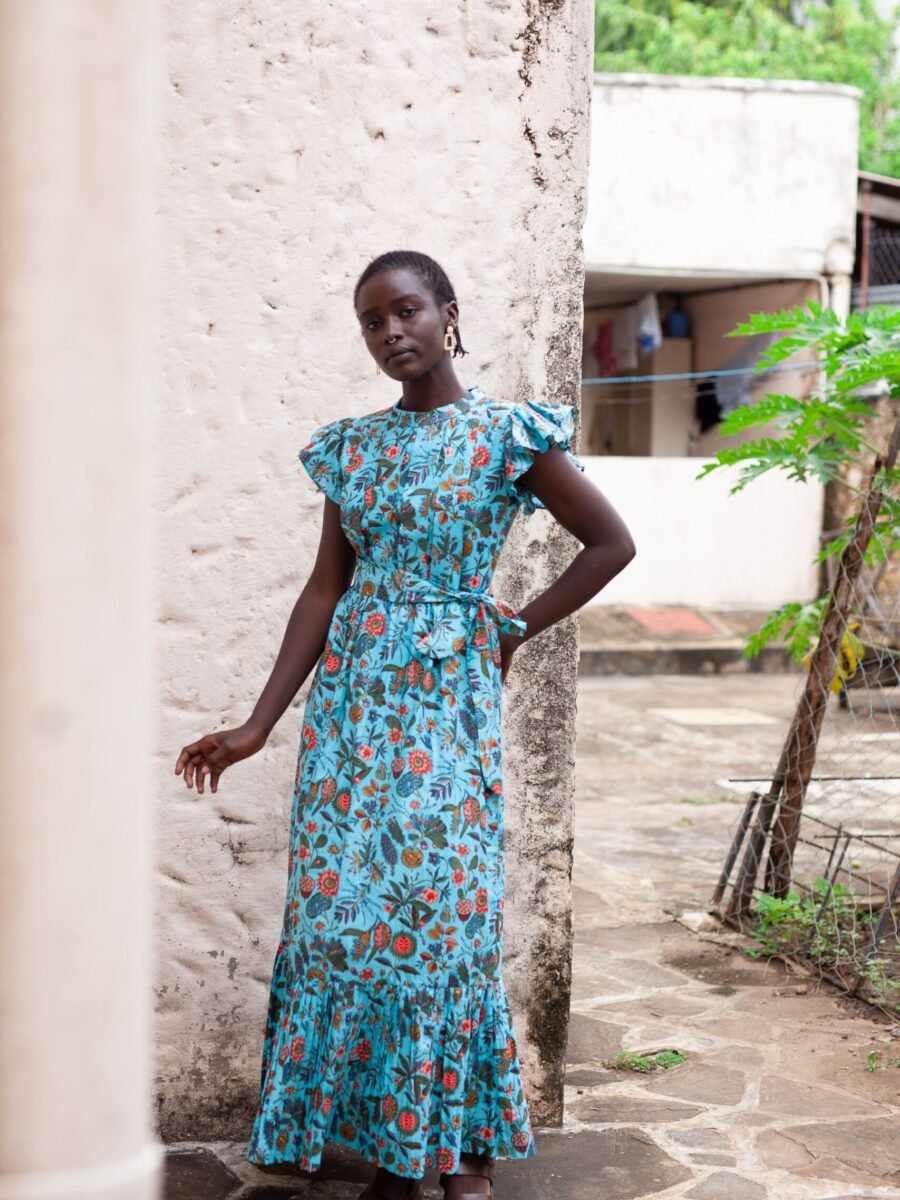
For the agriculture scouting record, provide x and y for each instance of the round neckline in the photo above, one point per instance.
(461, 402)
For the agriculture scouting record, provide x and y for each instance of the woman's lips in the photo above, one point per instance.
(399, 354)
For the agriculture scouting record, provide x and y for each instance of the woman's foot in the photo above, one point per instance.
(472, 1180)
(387, 1186)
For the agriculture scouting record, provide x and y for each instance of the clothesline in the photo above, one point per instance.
(685, 375)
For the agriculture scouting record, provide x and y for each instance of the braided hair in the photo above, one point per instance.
(432, 275)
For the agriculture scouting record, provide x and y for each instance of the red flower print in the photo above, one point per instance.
(298, 1044)
(354, 462)
(311, 827)
(520, 1141)
(389, 1107)
(471, 809)
(395, 736)
(446, 1160)
(342, 801)
(382, 934)
(449, 1080)
(367, 974)
(376, 624)
(430, 894)
(510, 467)
(333, 662)
(466, 1025)
(486, 1133)
(481, 900)
(307, 885)
(464, 908)
(366, 753)
(303, 853)
(481, 457)
(326, 1105)
(419, 762)
(403, 945)
(458, 877)
(508, 1115)
(392, 451)
(408, 1120)
(363, 1050)
(328, 883)
(309, 736)
(474, 580)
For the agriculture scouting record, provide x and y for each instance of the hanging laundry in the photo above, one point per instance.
(625, 335)
(718, 395)
(649, 328)
(733, 391)
(604, 349)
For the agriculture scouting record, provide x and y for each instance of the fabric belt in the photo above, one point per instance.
(465, 612)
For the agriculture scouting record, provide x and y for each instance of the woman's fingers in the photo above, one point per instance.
(192, 752)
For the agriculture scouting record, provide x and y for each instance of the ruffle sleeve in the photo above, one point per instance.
(322, 457)
(532, 429)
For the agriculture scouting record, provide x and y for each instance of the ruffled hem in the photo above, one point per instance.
(533, 428)
(408, 1076)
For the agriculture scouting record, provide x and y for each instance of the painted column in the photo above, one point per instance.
(76, 704)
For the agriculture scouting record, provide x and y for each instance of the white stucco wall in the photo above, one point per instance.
(299, 143)
(700, 545)
(731, 175)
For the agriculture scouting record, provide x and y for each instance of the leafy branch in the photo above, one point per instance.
(823, 437)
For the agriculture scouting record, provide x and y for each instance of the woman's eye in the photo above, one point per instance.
(409, 310)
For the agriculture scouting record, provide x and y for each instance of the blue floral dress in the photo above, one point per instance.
(388, 1028)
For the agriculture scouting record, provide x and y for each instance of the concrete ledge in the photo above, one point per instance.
(683, 658)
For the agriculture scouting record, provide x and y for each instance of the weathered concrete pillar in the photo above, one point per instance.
(301, 141)
(76, 703)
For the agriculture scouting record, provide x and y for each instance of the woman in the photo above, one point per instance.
(388, 1027)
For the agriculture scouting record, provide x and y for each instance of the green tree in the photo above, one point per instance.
(827, 437)
(829, 41)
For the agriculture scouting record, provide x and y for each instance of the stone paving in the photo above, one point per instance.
(774, 1101)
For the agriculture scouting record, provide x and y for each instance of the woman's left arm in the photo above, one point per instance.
(582, 509)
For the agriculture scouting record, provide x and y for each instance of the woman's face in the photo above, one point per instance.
(401, 323)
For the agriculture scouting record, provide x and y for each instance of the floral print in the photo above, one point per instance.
(388, 1027)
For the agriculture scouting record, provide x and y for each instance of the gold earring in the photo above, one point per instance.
(377, 369)
(450, 339)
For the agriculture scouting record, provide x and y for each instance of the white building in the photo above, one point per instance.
(718, 197)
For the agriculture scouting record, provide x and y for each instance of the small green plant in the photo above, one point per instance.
(631, 1060)
(874, 1057)
(827, 926)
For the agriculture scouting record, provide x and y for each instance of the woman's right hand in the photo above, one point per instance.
(213, 753)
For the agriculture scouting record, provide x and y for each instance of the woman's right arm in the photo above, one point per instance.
(302, 645)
